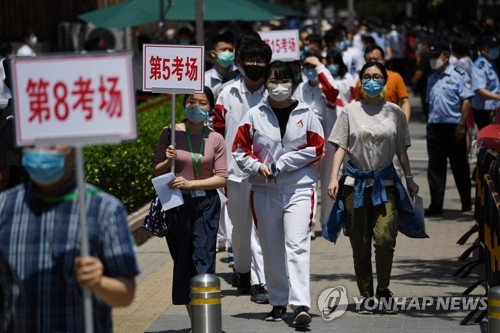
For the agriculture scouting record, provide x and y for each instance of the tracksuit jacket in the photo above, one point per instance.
(258, 140)
(233, 103)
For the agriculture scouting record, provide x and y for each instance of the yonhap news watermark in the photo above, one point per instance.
(334, 302)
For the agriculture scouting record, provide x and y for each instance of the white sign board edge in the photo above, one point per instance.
(64, 67)
(169, 51)
(292, 33)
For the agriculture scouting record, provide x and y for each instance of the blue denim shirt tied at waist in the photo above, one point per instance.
(379, 195)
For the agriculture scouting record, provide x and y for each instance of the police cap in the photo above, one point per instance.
(488, 41)
(436, 48)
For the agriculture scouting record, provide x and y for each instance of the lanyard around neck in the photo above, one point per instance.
(68, 196)
(196, 163)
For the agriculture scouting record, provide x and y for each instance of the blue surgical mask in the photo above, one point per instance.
(493, 53)
(340, 46)
(196, 114)
(44, 167)
(334, 69)
(311, 74)
(372, 88)
(184, 41)
(225, 59)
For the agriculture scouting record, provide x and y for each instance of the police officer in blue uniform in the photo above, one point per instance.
(485, 82)
(449, 91)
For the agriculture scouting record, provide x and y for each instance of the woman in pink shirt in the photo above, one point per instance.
(200, 168)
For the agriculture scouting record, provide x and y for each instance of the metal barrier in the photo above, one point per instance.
(487, 215)
(494, 309)
(206, 304)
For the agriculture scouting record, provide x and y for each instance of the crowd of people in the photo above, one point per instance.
(252, 153)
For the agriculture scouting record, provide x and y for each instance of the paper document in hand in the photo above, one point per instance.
(169, 198)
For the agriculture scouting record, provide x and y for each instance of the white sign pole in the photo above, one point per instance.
(172, 130)
(173, 93)
(80, 179)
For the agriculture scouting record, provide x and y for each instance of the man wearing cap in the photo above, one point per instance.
(485, 82)
(449, 91)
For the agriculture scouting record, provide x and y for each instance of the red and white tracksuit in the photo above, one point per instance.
(283, 210)
(323, 99)
(233, 103)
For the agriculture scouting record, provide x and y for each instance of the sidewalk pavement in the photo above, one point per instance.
(422, 268)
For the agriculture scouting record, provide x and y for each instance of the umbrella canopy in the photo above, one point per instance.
(278, 9)
(137, 12)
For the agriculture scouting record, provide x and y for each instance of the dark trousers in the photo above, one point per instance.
(441, 147)
(482, 118)
(377, 225)
(191, 238)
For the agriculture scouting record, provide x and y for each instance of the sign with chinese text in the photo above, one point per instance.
(174, 67)
(80, 97)
(284, 43)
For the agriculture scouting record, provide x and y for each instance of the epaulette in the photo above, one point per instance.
(459, 70)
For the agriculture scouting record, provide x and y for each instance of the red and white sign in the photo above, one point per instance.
(81, 97)
(284, 43)
(174, 67)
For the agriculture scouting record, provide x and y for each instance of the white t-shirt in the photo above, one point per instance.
(5, 93)
(371, 135)
(25, 51)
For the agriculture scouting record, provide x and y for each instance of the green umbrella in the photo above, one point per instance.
(137, 12)
(278, 9)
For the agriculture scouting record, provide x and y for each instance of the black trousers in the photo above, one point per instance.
(191, 238)
(441, 147)
(482, 118)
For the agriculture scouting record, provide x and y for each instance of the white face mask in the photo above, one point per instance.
(436, 63)
(33, 41)
(281, 92)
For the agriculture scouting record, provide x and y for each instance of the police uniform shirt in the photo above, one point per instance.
(445, 93)
(484, 75)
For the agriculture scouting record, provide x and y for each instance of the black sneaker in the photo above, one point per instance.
(234, 279)
(278, 313)
(386, 301)
(367, 307)
(258, 294)
(433, 212)
(244, 283)
(301, 316)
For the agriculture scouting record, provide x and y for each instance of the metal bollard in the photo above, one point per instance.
(206, 304)
(494, 309)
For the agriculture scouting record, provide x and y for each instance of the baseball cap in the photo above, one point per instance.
(436, 48)
(488, 41)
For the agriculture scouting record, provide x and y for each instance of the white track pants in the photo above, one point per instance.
(225, 227)
(283, 224)
(325, 173)
(245, 241)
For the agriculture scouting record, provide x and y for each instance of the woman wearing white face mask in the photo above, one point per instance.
(200, 169)
(278, 144)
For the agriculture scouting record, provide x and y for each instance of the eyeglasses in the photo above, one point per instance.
(273, 83)
(378, 78)
(255, 62)
(197, 102)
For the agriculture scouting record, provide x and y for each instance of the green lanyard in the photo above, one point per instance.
(196, 163)
(68, 196)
